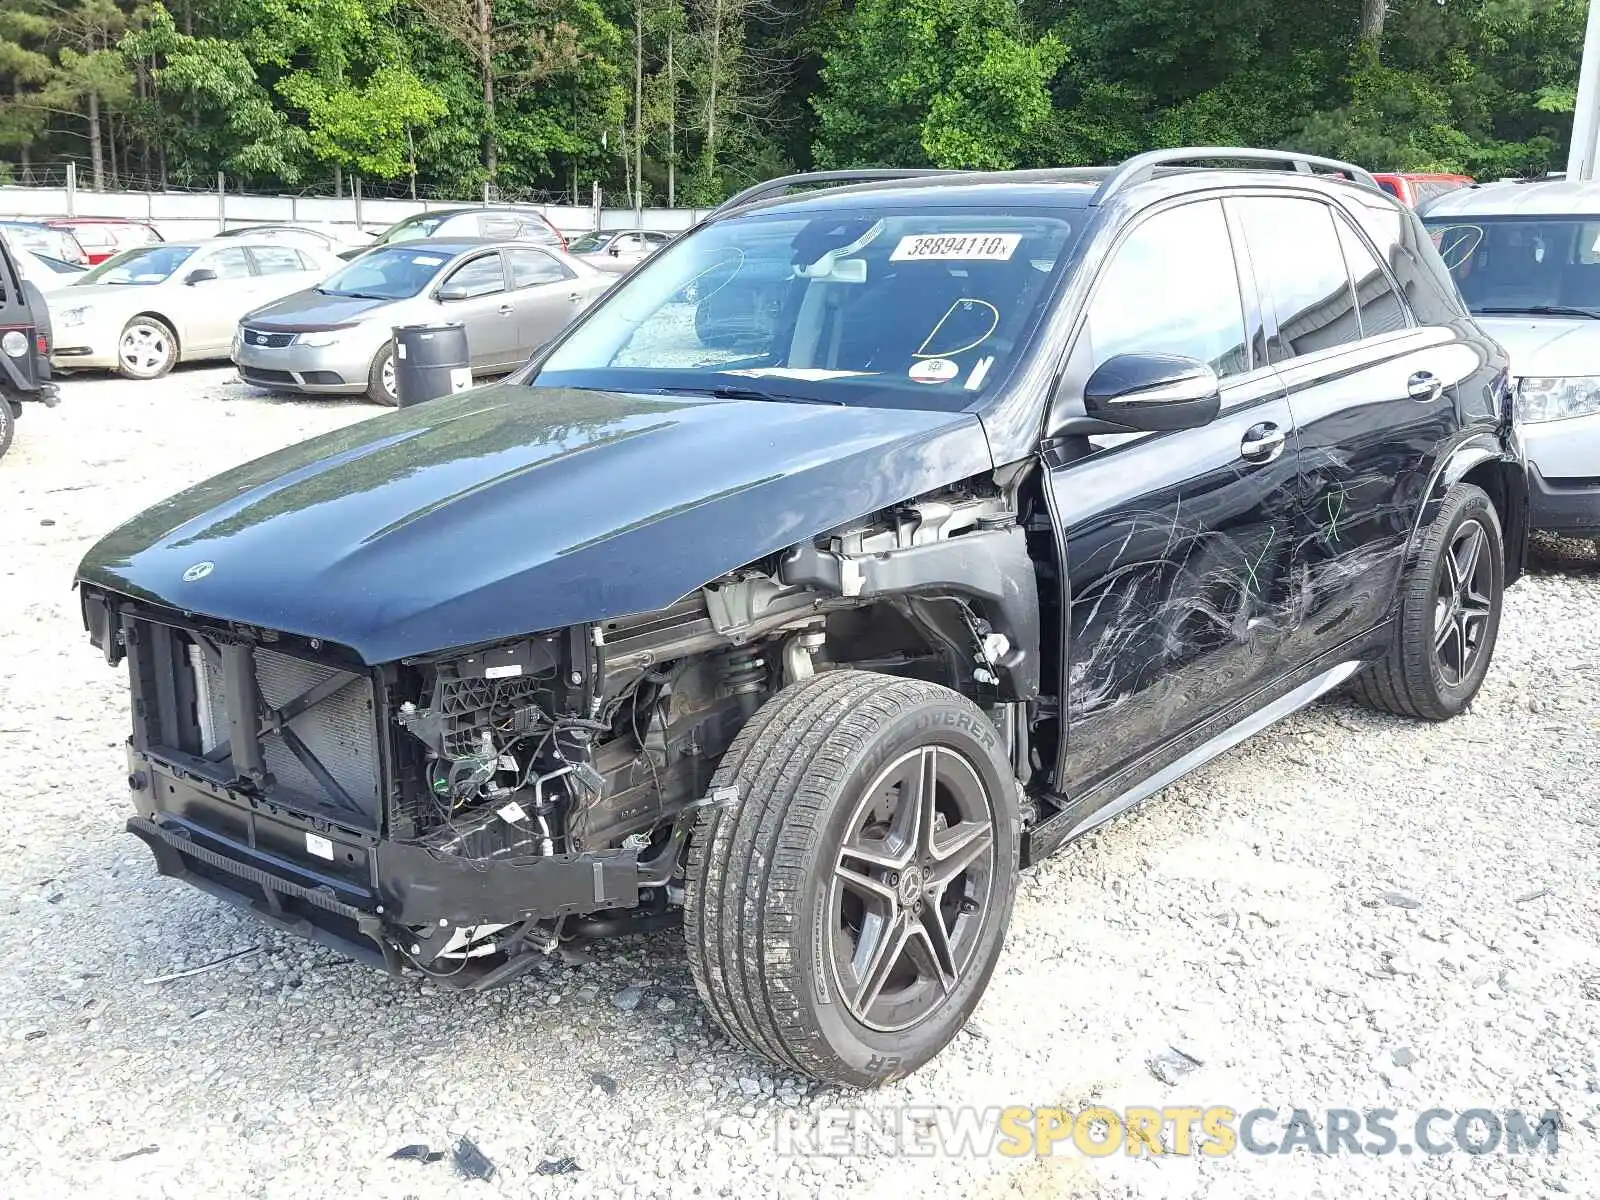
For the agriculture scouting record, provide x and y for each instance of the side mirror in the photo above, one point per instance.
(453, 291)
(1153, 392)
(199, 275)
(615, 251)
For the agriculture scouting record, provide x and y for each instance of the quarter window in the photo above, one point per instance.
(1294, 249)
(1172, 288)
(1376, 300)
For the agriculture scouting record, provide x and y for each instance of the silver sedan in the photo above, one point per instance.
(618, 250)
(338, 337)
(144, 310)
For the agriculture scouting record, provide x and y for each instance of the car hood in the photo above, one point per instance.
(507, 509)
(1547, 346)
(310, 310)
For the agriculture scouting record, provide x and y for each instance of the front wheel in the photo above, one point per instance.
(8, 425)
(1449, 614)
(147, 348)
(381, 385)
(845, 907)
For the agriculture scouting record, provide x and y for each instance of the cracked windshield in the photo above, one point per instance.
(926, 309)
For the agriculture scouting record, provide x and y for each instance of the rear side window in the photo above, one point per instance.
(1377, 302)
(531, 267)
(1391, 187)
(498, 225)
(1172, 288)
(1294, 249)
(533, 229)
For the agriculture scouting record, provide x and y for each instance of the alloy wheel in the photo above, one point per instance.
(1463, 605)
(387, 375)
(910, 885)
(143, 349)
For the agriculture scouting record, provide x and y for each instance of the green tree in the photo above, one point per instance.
(951, 83)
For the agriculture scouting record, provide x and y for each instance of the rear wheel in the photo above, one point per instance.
(845, 909)
(381, 388)
(147, 348)
(1449, 615)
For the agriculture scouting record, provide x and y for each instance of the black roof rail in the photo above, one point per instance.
(776, 187)
(1144, 166)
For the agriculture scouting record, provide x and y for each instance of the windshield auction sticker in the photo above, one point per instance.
(957, 247)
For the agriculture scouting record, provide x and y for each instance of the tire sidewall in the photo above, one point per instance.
(874, 1057)
(166, 364)
(1475, 506)
(8, 425)
(376, 392)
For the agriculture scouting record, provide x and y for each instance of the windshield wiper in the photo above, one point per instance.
(722, 392)
(354, 295)
(1543, 310)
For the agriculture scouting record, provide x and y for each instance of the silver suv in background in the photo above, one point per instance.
(1526, 257)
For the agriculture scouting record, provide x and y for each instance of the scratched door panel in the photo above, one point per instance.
(1368, 451)
(1181, 557)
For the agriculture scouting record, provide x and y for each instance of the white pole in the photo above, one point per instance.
(1586, 116)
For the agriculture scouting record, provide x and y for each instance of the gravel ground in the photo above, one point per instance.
(1343, 892)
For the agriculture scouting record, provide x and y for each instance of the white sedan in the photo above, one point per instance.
(143, 311)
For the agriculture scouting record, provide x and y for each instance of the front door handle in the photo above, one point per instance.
(506, 310)
(1262, 443)
(575, 297)
(1424, 385)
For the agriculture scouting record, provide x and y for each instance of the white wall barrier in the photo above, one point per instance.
(203, 214)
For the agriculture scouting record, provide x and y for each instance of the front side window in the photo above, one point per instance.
(229, 264)
(151, 265)
(1299, 267)
(1172, 288)
(480, 277)
(276, 260)
(1523, 265)
(925, 308)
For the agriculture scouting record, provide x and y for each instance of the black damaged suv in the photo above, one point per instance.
(874, 539)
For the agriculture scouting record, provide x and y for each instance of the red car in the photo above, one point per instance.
(1416, 188)
(101, 237)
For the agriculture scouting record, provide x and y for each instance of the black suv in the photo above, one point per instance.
(24, 346)
(1010, 498)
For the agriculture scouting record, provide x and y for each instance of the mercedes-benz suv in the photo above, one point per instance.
(1006, 500)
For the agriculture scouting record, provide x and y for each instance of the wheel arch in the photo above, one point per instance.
(1485, 463)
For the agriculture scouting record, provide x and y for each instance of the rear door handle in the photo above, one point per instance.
(1424, 385)
(575, 296)
(1262, 443)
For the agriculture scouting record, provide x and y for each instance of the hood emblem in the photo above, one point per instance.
(261, 339)
(199, 571)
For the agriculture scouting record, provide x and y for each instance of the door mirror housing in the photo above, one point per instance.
(453, 291)
(199, 275)
(616, 250)
(1153, 393)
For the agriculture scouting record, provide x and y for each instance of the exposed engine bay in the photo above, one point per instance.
(601, 736)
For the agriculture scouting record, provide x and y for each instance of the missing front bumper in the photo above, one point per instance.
(381, 902)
